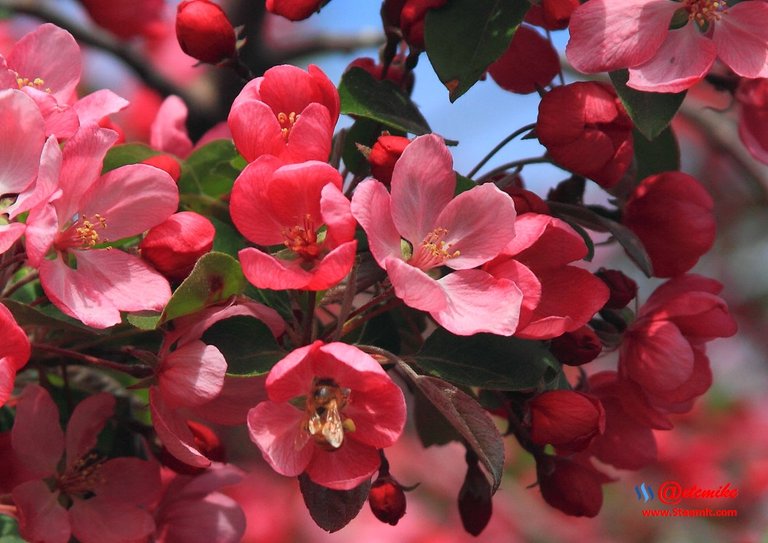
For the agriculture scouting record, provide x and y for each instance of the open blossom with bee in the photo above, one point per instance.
(330, 408)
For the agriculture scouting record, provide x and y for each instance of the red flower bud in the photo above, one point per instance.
(526, 201)
(384, 154)
(204, 31)
(174, 246)
(573, 488)
(387, 500)
(577, 347)
(551, 14)
(166, 163)
(408, 15)
(566, 419)
(295, 10)
(475, 505)
(395, 72)
(672, 214)
(587, 131)
(623, 289)
(205, 440)
(529, 63)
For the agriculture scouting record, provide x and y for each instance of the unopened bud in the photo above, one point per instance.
(573, 488)
(204, 31)
(577, 347)
(623, 288)
(475, 506)
(174, 245)
(387, 500)
(166, 163)
(384, 154)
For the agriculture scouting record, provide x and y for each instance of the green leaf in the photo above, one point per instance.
(487, 361)
(9, 530)
(381, 101)
(431, 426)
(466, 36)
(594, 221)
(209, 170)
(143, 321)
(332, 509)
(246, 343)
(662, 154)
(128, 153)
(650, 111)
(468, 417)
(55, 328)
(463, 184)
(215, 278)
(227, 240)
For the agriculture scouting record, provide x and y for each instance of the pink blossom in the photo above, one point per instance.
(83, 216)
(421, 227)
(298, 206)
(349, 409)
(288, 112)
(668, 46)
(191, 379)
(109, 499)
(557, 297)
(14, 352)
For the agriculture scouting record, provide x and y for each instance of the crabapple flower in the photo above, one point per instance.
(586, 130)
(557, 296)
(71, 491)
(302, 208)
(529, 63)
(331, 407)
(83, 216)
(572, 486)
(174, 245)
(673, 215)
(204, 31)
(752, 96)
(288, 112)
(566, 419)
(14, 352)
(421, 227)
(191, 380)
(668, 46)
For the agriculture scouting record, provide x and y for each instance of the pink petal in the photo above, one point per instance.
(173, 432)
(334, 267)
(22, 136)
(478, 302)
(379, 414)
(9, 234)
(337, 216)
(45, 184)
(82, 159)
(36, 437)
(250, 207)
(295, 191)
(570, 297)
(106, 521)
(423, 182)
(169, 131)
(741, 37)
(480, 223)
(526, 281)
(657, 357)
(104, 284)
(7, 379)
(60, 119)
(345, 468)
(371, 206)
(289, 89)
(41, 517)
(276, 429)
(415, 287)
(266, 271)
(87, 421)
(214, 517)
(131, 199)
(311, 137)
(191, 375)
(255, 130)
(93, 107)
(131, 481)
(231, 406)
(32, 54)
(543, 242)
(198, 486)
(608, 35)
(42, 227)
(683, 59)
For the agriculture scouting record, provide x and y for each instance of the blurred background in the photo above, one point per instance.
(723, 440)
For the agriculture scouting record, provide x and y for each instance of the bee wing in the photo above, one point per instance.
(333, 430)
(302, 437)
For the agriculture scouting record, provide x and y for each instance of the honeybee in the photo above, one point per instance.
(324, 422)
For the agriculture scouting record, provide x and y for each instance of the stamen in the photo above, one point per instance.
(36, 83)
(82, 234)
(433, 251)
(704, 12)
(302, 240)
(84, 476)
(287, 122)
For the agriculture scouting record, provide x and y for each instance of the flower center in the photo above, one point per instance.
(302, 239)
(705, 11)
(323, 414)
(287, 122)
(82, 234)
(433, 251)
(82, 477)
(36, 83)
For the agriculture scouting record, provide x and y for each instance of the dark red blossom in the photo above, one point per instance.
(577, 347)
(752, 95)
(295, 10)
(587, 131)
(623, 289)
(204, 31)
(529, 63)
(566, 419)
(551, 14)
(570, 486)
(408, 16)
(387, 500)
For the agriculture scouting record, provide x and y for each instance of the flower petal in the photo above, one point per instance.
(169, 132)
(741, 37)
(22, 134)
(371, 206)
(36, 437)
(131, 481)
(174, 433)
(109, 521)
(345, 468)
(214, 517)
(255, 129)
(415, 287)
(93, 107)
(230, 407)
(41, 517)
(85, 424)
(276, 429)
(250, 207)
(191, 375)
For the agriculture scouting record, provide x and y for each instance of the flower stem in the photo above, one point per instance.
(498, 148)
(309, 318)
(135, 370)
(515, 164)
(18, 284)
